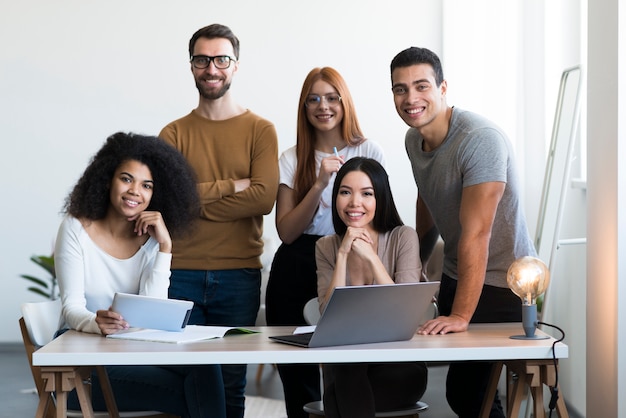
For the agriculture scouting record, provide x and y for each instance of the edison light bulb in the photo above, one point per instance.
(528, 277)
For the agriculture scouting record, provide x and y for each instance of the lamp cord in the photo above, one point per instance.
(554, 390)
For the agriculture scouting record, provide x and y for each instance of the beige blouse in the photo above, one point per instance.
(398, 249)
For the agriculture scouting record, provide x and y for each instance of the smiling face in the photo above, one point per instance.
(418, 99)
(356, 202)
(325, 116)
(131, 188)
(213, 83)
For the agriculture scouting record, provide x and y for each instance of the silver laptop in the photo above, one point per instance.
(150, 312)
(368, 314)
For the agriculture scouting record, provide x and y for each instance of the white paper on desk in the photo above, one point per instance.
(191, 333)
(305, 329)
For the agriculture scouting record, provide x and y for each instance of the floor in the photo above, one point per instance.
(18, 399)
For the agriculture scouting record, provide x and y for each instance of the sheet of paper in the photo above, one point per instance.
(304, 329)
(191, 333)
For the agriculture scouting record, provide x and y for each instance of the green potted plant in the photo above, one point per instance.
(46, 287)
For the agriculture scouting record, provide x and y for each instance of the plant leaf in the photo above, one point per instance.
(39, 292)
(35, 280)
(45, 262)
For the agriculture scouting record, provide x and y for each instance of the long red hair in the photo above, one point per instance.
(305, 136)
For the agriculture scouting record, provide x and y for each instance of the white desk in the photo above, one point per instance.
(480, 342)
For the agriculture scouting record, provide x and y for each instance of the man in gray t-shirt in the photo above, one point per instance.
(468, 193)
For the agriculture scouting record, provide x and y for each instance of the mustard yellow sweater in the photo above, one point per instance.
(228, 233)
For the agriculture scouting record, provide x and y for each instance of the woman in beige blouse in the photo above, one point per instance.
(371, 246)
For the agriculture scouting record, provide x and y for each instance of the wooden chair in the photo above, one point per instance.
(316, 409)
(39, 323)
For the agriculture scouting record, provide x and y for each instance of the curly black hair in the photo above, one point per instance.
(175, 194)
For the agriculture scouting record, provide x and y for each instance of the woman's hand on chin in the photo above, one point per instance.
(151, 222)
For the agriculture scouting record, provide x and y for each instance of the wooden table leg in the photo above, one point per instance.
(548, 377)
(82, 390)
(107, 392)
(61, 395)
(45, 401)
(490, 391)
(62, 380)
(54, 379)
(535, 374)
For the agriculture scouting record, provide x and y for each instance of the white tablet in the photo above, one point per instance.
(150, 312)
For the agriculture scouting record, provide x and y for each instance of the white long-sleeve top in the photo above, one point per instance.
(88, 277)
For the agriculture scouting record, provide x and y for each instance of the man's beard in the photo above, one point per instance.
(212, 95)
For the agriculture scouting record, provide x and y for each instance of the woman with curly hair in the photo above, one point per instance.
(134, 195)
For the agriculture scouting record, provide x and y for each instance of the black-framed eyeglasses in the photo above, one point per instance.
(314, 100)
(203, 61)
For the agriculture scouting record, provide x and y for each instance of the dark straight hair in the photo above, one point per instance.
(386, 216)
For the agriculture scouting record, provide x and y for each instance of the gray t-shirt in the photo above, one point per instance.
(475, 151)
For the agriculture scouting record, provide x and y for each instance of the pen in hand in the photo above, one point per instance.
(337, 155)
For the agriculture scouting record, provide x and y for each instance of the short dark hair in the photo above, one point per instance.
(415, 55)
(215, 31)
(175, 194)
(386, 216)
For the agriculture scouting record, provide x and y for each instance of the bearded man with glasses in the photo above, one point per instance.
(234, 153)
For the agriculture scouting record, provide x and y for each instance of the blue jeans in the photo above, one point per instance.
(226, 298)
(185, 391)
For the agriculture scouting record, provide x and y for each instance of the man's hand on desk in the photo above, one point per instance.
(443, 325)
(110, 322)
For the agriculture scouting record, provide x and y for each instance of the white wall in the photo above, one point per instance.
(73, 72)
(606, 267)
